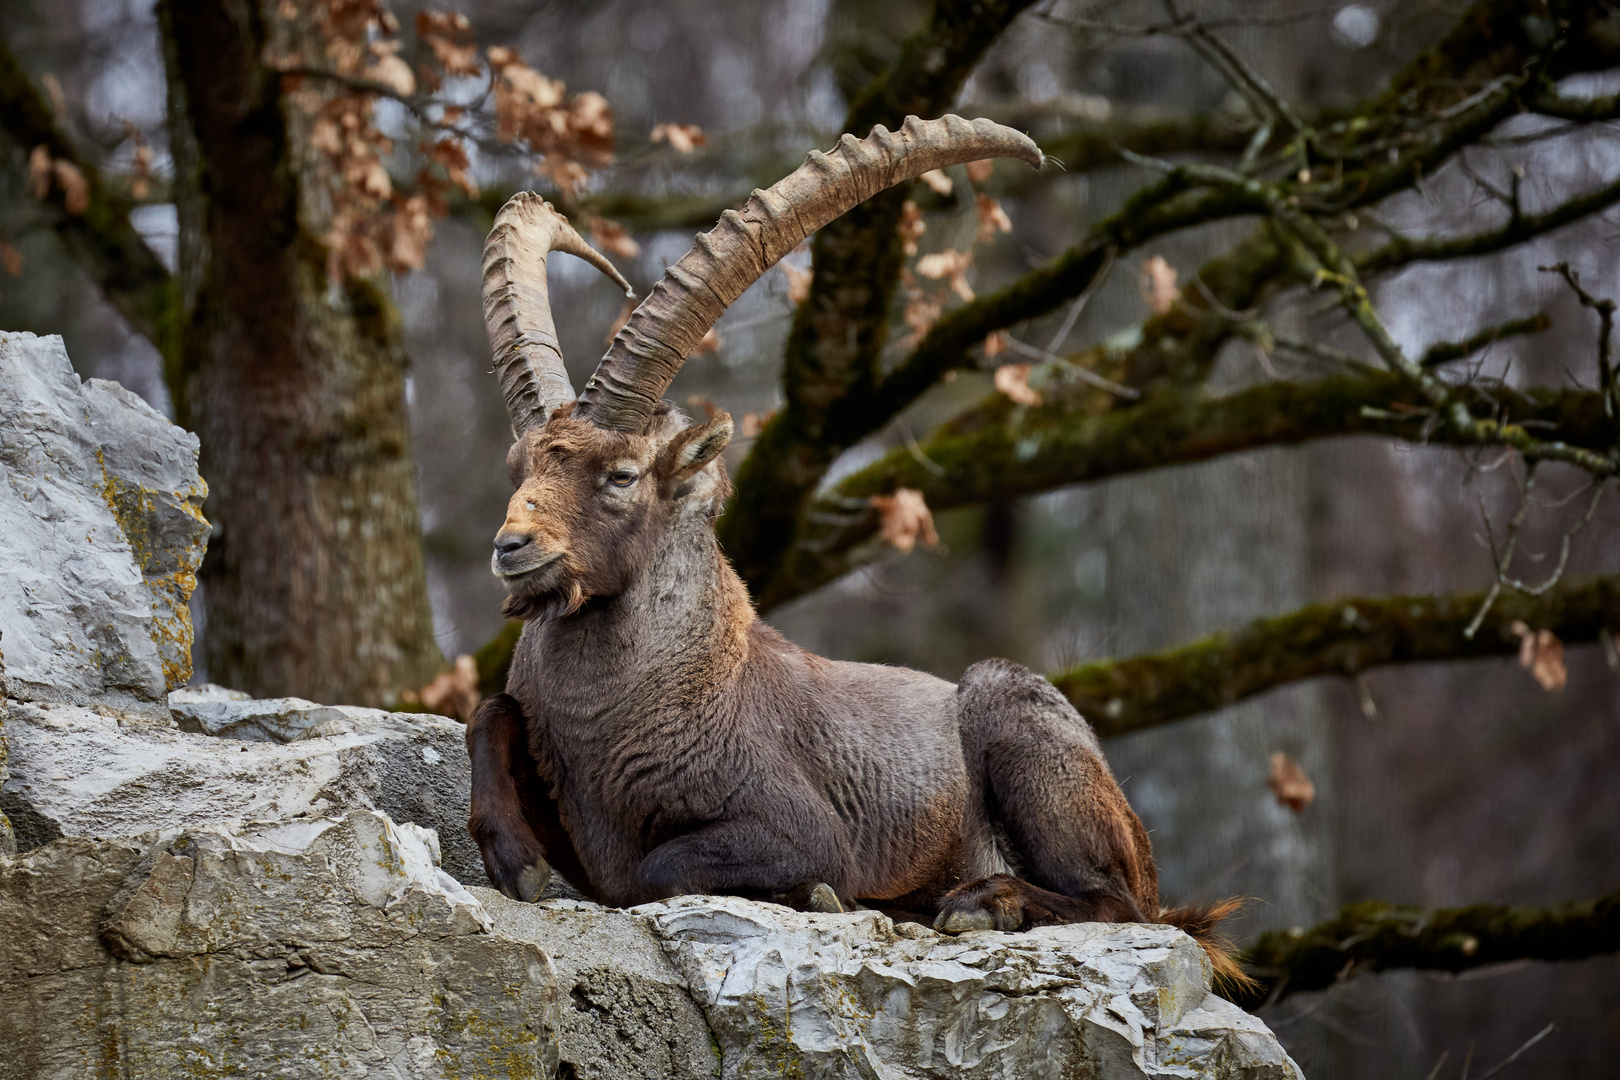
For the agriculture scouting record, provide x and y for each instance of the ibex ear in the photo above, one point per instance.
(694, 448)
(517, 461)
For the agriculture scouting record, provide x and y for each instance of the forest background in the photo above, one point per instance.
(1106, 410)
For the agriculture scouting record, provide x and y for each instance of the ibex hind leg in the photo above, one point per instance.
(1082, 852)
(514, 820)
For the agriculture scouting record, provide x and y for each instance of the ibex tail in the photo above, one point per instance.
(1200, 922)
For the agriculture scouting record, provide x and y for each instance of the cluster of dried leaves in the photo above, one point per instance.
(948, 268)
(375, 222)
(452, 693)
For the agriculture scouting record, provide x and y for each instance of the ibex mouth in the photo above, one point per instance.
(521, 564)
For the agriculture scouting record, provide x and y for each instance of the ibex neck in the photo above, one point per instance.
(687, 610)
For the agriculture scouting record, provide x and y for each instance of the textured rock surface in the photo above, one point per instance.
(8, 839)
(854, 996)
(315, 948)
(625, 1010)
(100, 514)
(76, 772)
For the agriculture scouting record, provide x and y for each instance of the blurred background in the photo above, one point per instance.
(1436, 785)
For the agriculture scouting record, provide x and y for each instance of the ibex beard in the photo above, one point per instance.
(657, 738)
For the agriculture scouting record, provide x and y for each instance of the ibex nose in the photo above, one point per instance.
(508, 542)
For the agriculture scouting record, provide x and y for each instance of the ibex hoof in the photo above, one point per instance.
(823, 899)
(960, 922)
(533, 881)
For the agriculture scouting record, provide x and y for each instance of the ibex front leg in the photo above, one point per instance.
(514, 820)
(749, 858)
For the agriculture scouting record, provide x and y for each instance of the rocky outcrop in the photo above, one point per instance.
(79, 772)
(210, 885)
(337, 947)
(100, 511)
(857, 995)
(304, 949)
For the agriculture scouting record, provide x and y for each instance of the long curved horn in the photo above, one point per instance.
(646, 354)
(517, 305)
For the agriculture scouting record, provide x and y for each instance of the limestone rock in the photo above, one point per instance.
(280, 720)
(625, 1010)
(100, 508)
(77, 772)
(854, 995)
(154, 490)
(8, 838)
(303, 949)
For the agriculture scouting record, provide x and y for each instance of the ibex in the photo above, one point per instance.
(656, 737)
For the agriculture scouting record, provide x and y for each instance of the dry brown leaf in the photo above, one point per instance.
(11, 259)
(1159, 284)
(449, 37)
(906, 519)
(754, 423)
(395, 74)
(53, 90)
(611, 236)
(992, 219)
(937, 180)
(1013, 380)
(798, 282)
(453, 693)
(921, 311)
(75, 188)
(698, 401)
(995, 344)
(410, 233)
(709, 343)
(1543, 654)
(682, 138)
(1289, 783)
(951, 266)
(979, 171)
(911, 226)
(39, 171)
(451, 156)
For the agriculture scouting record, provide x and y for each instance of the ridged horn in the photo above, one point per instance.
(517, 305)
(645, 355)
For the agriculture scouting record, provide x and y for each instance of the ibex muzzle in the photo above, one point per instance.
(656, 737)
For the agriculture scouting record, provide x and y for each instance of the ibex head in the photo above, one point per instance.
(599, 479)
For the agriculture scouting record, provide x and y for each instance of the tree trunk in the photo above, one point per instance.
(314, 583)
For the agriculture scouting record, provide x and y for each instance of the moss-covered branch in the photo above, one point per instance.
(1344, 637)
(999, 450)
(1519, 228)
(101, 240)
(1383, 148)
(1378, 937)
(834, 349)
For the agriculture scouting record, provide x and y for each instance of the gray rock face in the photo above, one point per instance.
(855, 995)
(77, 772)
(325, 947)
(625, 1010)
(8, 838)
(100, 509)
(300, 949)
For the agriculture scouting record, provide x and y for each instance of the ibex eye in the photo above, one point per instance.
(622, 478)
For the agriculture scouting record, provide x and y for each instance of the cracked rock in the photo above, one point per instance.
(328, 947)
(79, 772)
(100, 508)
